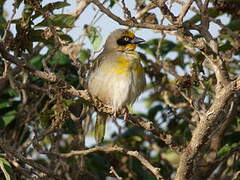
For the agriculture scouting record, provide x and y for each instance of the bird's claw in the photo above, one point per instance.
(115, 114)
(125, 113)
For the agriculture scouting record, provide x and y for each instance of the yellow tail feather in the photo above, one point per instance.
(100, 127)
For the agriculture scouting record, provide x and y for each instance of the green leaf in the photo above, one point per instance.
(98, 163)
(212, 12)
(137, 138)
(5, 162)
(45, 119)
(50, 7)
(27, 12)
(9, 117)
(17, 3)
(70, 127)
(5, 104)
(6, 168)
(194, 19)
(84, 55)
(226, 46)
(234, 25)
(55, 5)
(95, 37)
(232, 137)
(36, 61)
(153, 111)
(2, 19)
(226, 149)
(65, 37)
(59, 59)
(67, 102)
(111, 4)
(12, 92)
(171, 157)
(140, 172)
(150, 47)
(60, 20)
(37, 36)
(72, 79)
(166, 47)
(16, 21)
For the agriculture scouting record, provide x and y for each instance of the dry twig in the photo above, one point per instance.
(113, 171)
(132, 24)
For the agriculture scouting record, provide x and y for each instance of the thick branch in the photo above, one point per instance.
(208, 125)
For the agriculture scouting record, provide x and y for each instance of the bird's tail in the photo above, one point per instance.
(100, 127)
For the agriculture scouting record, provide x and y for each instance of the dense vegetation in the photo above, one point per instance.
(191, 128)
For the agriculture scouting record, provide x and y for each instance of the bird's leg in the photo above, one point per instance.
(115, 114)
(125, 113)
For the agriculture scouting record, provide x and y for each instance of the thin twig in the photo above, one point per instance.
(112, 171)
(132, 24)
(165, 10)
(46, 59)
(30, 162)
(236, 176)
(10, 21)
(184, 11)
(81, 7)
(141, 12)
(126, 11)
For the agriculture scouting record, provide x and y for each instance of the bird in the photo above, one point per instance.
(117, 77)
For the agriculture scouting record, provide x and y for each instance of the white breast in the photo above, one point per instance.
(116, 90)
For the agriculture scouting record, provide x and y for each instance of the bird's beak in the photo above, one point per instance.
(137, 40)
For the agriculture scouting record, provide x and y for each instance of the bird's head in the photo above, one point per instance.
(122, 40)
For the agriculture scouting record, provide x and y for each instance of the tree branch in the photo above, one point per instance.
(27, 161)
(80, 7)
(112, 171)
(107, 149)
(165, 11)
(144, 10)
(68, 89)
(184, 11)
(208, 125)
(131, 23)
(215, 59)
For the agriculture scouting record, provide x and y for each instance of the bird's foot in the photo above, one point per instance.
(125, 113)
(115, 113)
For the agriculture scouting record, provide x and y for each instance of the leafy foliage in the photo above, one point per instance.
(6, 168)
(38, 118)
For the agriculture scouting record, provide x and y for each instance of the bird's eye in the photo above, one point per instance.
(126, 38)
(124, 41)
